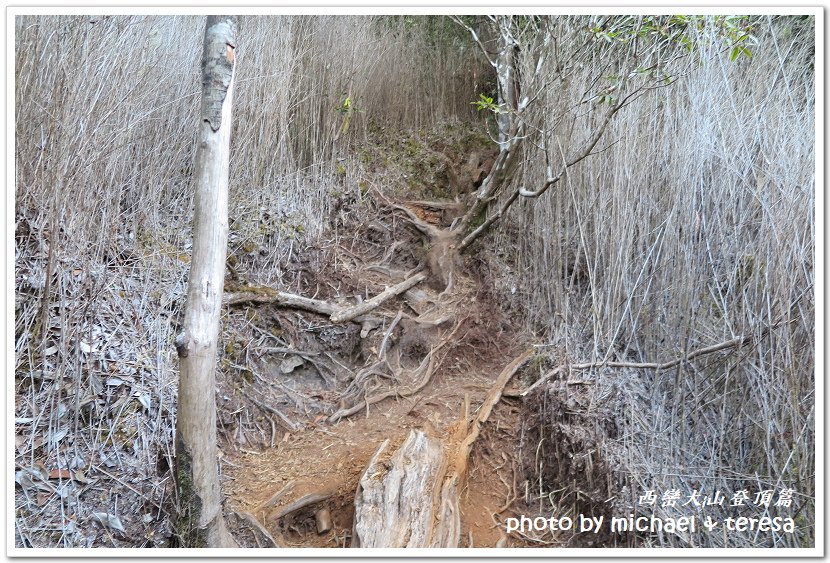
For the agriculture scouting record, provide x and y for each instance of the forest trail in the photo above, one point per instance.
(429, 357)
(330, 459)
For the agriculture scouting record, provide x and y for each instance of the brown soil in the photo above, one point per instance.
(329, 459)
(448, 332)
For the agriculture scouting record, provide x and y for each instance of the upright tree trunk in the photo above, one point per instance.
(200, 521)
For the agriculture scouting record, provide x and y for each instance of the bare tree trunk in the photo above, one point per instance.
(200, 521)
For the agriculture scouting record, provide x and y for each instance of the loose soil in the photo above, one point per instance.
(451, 322)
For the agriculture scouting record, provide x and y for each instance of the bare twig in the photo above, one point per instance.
(382, 351)
(252, 521)
(286, 422)
(345, 315)
(732, 343)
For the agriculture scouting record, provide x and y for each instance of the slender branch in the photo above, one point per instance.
(382, 352)
(345, 315)
(337, 314)
(736, 342)
(472, 32)
(264, 294)
(481, 229)
(289, 424)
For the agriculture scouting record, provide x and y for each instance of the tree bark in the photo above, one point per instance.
(394, 504)
(200, 520)
(411, 497)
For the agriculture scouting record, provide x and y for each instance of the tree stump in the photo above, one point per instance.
(395, 499)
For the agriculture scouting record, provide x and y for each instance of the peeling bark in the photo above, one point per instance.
(394, 500)
(410, 498)
(200, 521)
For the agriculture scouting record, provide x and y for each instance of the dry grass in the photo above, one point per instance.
(105, 118)
(695, 226)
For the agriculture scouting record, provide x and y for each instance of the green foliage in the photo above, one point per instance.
(485, 102)
(735, 32)
(347, 108)
(664, 35)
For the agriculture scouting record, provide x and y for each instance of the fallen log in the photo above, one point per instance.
(410, 498)
(265, 294)
(336, 313)
(344, 315)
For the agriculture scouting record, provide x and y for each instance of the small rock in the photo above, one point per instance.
(290, 363)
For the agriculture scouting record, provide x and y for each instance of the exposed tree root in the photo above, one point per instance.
(426, 368)
(411, 497)
(274, 499)
(286, 422)
(423, 372)
(449, 513)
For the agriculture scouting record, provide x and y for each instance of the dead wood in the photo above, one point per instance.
(431, 231)
(265, 294)
(345, 315)
(658, 366)
(337, 314)
(408, 499)
(275, 498)
(259, 529)
(284, 420)
(302, 502)
(323, 520)
(394, 502)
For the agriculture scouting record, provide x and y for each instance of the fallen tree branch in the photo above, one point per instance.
(302, 502)
(732, 343)
(255, 525)
(265, 294)
(337, 314)
(286, 422)
(344, 315)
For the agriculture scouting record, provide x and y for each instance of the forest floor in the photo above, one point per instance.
(303, 403)
(434, 352)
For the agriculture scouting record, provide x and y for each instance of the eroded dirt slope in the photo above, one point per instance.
(328, 394)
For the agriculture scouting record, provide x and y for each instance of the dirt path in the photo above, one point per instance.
(328, 459)
(416, 359)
